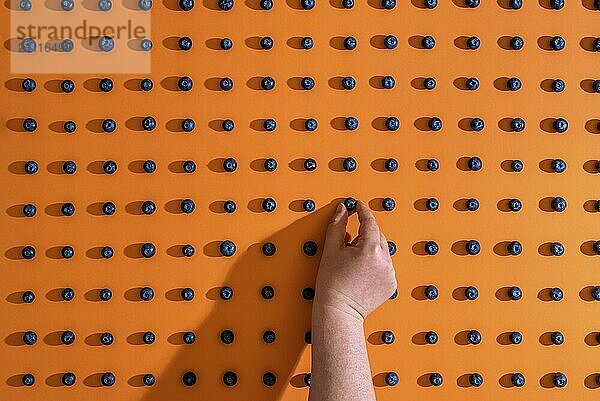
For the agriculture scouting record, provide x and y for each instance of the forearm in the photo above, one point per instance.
(340, 365)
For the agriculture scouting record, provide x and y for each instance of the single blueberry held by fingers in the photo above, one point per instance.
(515, 293)
(187, 294)
(517, 43)
(185, 84)
(391, 379)
(67, 337)
(559, 380)
(472, 247)
(435, 379)
(227, 248)
(472, 84)
(516, 337)
(513, 84)
(514, 248)
(387, 337)
(429, 83)
(189, 166)
(230, 379)
(148, 250)
(559, 204)
(348, 83)
(515, 205)
(105, 294)
(267, 292)
(347, 4)
(269, 205)
(472, 3)
(310, 164)
(28, 379)
(266, 43)
(557, 249)
(475, 379)
(69, 126)
(388, 4)
(518, 380)
(433, 165)
(308, 205)
(148, 379)
(148, 207)
(146, 294)
(225, 5)
(188, 379)
(477, 124)
(596, 293)
(68, 379)
(146, 84)
(431, 337)
(307, 4)
(557, 43)
(472, 204)
(556, 294)
(109, 125)
(67, 252)
(269, 336)
(229, 165)
(475, 163)
(270, 164)
(557, 338)
(188, 250)
(189, 337)
(28, 297)
(187, 206)
(29, 124)
(227, 337)
(185, 43)
(28, 252)
(559, 165)
(29, 337)
(106, 85)
(388, 82)
(266, 4)
(269, 379)
(517, 124)
(106, 252)
(474, 337)
(351, 123)
(109, 167)
(390, 42)
(307, 83)
(431, 292)
(67, 86)
(28, 85)
(67, 209)
(428, 42)
(186, 5)
(432, 204)
(350, 204)
(435, 124)
(516, 166)
(106, 338)
(560, 125)
(431, 248)
(473, 43)
(391, 164)
(310, 248)
(269, 249)
(29, 210)
(349, 164)
(392, 123)
(471, 293)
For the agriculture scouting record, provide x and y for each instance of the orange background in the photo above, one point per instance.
(289, 271)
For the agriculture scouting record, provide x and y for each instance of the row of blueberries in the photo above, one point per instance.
(267, 83)
(226, 5)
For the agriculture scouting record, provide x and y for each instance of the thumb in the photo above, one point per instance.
(336, 230)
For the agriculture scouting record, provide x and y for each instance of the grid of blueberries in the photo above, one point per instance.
(227, 247)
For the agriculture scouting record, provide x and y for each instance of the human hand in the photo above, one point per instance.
(357, 278)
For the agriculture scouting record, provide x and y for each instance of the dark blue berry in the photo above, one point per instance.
(557, 43)
(187, 294)
(348, 83)
(515, 4)
(67, 209)
(29, 210)
(556, 294)
(187, 206)
(148, 379)
(146, 84)
(67, 86)
(109, 167)
(67, 252)
(515, 293)
(307, 83)
(148, 250)
(472, 84)
(475, 379)
(226, 44)
(388, 204)
(557, 338)
(517, 43)
(29, 124)
(28, 297)
(225, 5)
(269, 249)
(557, 4)
(475, 163)
(230, 379)
(391, 248)
(559, 204)
(350, 204)
(28, 379)
(513, 84)
(472, 3)
(109, 125)
(149, 166)
(390, 42)
(227, 248)
(189, 337)
(559, 379)
(516, 166)
(435, 124)
(431, 4)
(436, 379)
(477, 124)
(428, 42)
(28, 252)
(431, 292)
(67, 337)
(148, 123)
(186, 5)
(518, 380)
(431, 248)
(433, 165)
(70, 126)
(432, 204)
(517, 124)
(431, 337)
(68, 379)
(148, 207)
(229, 165)
(472, 204)
(67, 294)
(351, 123)
(560, 125)
(189, 166)
(108, 379)
(388, 4)
(28, 85)
(266, 43)
(106, 338)
(307, 4)
(516, 337)
(471, 293)
(310, 164)
(269, 379)
(392, 123)
(429, 83)
(188, 379)
(474, 337)
(308, 205)
(30, 337)
(185, 84)
(227, 336)
(269, 205)
(350, 43)
(267, 83)
(310, 248)
(270, 164)
(106, 85)
(105, 294)
(473, 43)
(388, 82)
(387, 337)
(559, 165)
(557, 249)
(347, 4)
(472, 247)
(514, 248)
(391, 165)
(267, 292)
(391, 379)
(349, 164)
(185, 43)
(310, 124)
(269, 336)
(146, 294)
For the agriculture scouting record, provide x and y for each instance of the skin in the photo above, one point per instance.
(352, 282)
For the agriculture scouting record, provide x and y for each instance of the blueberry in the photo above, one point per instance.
(307, 83)
(227, 248)
(559, 165)
(515, 4)
(557, 338)
(388, 204)
(348, 83)
(187, 294)
(146, 294)
(435, 124)
(388, 82)
(269, 124)
(186, 5)
(145, 5)
(28, 252)
(391, 379)
(187, 206)
(513, 84)
(431, 292)
(390, 42)
(68, 379)
(431, 337)
(350, 43)
(471, 293)
(350, 204)
(266, 4)
(185, 43)
(596, 44)
(149, 337)
(475, 163)
(28, 85)
(347, 4)
(473, 43)
(472, 3)
(431, 4)
(517, 43)
(557, 43)
(185, 84)
(436, 379)
(387, 337)
(29, 210)
(148, 207)
(556, 294)
(188, 379)
(596, 293)
(432, 204)
(477, 124)
(106, 338)
(270, 164)
(308, 294)
(514, 248)
(266, 43)
(188, 250)
(351, 123)
(105, 85)
(557, 248)
(475, 379)
(392, 123)
(596, 247)
(230, 379)
(148, 123)
(109, 167)
(515, 205)
(596, 86)
(146, 84)
(267, 292)
(472, 84)
(310, 124)
(67, 294)
(428, 42)
(516, 166)
(28, 379)
(29, 338)
(518, 380)
(429, 83)
(433, 165)
(28, 297)
(516, 337)
(269, 336)
(67, 252)
(69, 126)
(310, 248)
(431, 247)
(29, 124)
(269, 249)
(67, 209)
(308, 205)
(559, 380)
(391, 248)
(307, 4)
(559, 204)
(388, 4)
(67, 86)
(557, 4)
(560, 125)
(472, 204)
(474, 337)
(189, 337)
(227, 336)
(105, 294)
(226, 44)
(148, 379)
(310, 164)
(228, 125)
(269, 379)
(349, 164)
(515, 293)
(229, 165)
(67, 337)
(188, 125)
(109, 125)
(67, 5)
(391, 164)
(148, 250)
(225, 5)
(66, 45)
(269, 205)
(189, 166)
(472, 247)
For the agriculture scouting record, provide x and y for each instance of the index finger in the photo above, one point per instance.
(368, 229)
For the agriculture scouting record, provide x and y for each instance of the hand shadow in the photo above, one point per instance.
(249, 315)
